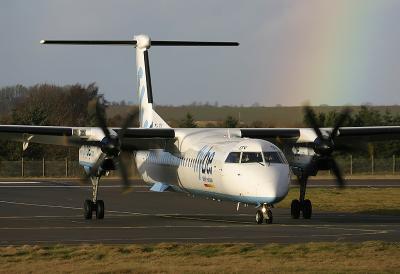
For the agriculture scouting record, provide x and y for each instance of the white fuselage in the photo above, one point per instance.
(198, 164)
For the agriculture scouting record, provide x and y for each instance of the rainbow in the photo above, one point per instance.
(334, 56)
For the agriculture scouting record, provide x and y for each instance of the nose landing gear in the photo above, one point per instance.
(264, 213)
(302, 205)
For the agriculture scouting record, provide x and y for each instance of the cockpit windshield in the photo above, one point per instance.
(268, 157)
(273, 157)
(251, 157)
(233, 157)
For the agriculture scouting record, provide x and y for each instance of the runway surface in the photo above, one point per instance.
(51, 212)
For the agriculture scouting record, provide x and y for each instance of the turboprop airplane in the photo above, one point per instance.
(241, 165)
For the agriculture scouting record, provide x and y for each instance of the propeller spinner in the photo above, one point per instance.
(325, 145)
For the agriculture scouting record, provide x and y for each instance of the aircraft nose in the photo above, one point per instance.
(276, 184)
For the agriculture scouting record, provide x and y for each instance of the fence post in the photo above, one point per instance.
(22, 167)
(66, 167)
(351, 164)
(372, 164)
(43, 167)
(394, 164)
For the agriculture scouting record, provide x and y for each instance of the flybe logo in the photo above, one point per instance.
(204, 160)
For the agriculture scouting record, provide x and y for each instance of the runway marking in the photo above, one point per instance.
(358, 185)
(235, 238)
(19, 182)
(238, 224)
(37, 217)
(40, 205)
(67, 186)
(361, 231)
(121, 227)
(334, 227)
(127, 239)
(202, 219)
(69, 207)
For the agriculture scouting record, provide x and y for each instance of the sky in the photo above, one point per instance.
(291, 52)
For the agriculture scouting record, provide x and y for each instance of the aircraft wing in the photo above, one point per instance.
(300, 135)
(135, 138)
(270, 133)
(146, 138)
(370, 133)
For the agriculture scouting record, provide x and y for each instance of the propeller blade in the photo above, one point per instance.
(94, 170)
(311, 119)
(349, 148)
(102, 119)
(338, 174)
(344, 115)
(124, 172)
(129, 119)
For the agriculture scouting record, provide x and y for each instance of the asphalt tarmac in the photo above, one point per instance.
(50, 212)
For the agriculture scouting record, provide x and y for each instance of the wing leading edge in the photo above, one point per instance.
(135, 138)
(369, 134)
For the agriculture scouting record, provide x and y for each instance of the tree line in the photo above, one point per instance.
(73, 105)
(45, 105)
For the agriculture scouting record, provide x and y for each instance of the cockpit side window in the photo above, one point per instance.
(273, 157)
(233, 157)
(284, 160)
(252, 157)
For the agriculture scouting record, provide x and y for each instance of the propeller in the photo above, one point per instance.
(110, 145)
(325, 145)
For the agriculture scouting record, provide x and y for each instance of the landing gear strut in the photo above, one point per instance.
(94, 205)
(302, 205)
(264, 213)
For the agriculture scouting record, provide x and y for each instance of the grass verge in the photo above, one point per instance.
(376, 257)
(369, 200)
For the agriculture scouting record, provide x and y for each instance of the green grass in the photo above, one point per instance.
(356, 200)
(367, 257)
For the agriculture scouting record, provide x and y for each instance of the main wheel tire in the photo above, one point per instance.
(100, 209)
(88, 209)
(295, 209)
(259, 217)
(269, 218)
(307, 209)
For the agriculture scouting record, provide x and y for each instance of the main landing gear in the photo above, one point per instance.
(302, 205)
(94, 205)
(264, 213)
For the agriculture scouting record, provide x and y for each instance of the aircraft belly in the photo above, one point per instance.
(154, 172)
(161, 173)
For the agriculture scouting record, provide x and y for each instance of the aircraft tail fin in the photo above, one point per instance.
(148, 117)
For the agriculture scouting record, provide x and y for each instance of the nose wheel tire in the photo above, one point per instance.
(88, 209)
(269, 218)
(100, 209)
(259, 217)
(264, 214)
(307, 209)
(295, 209)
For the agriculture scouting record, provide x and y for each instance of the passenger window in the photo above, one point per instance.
(233, 157)
(272, 157)
(252, 157)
